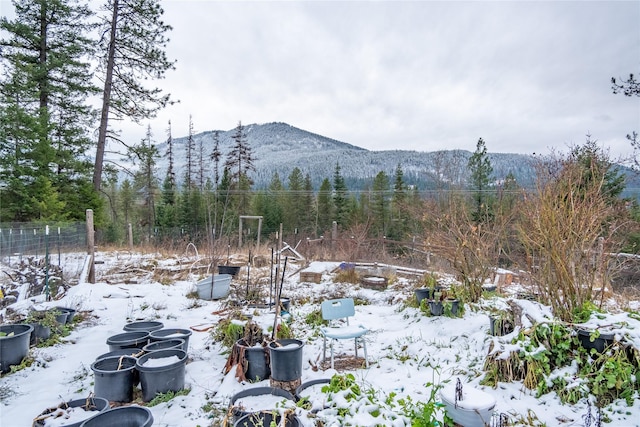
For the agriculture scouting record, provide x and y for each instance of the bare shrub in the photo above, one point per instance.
(471, 248)
(567, 229)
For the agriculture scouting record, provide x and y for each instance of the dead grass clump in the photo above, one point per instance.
(347, 275)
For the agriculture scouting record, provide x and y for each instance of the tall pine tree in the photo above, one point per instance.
(132, 52)
(45, 118)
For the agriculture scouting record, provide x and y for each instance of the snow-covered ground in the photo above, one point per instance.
(406, 349)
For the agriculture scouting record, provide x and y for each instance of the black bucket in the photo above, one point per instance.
(257, 362)
(133, 352)
(114, 378)
(161, 379)
(123, 416)
(265, 418)
(286, 359)
(128, 340)
(145, 326)
(71, 313)
(92, 406)
(238, 411)
(171, 333)
(422, 294)
(40, 333)
(174, 343)
(14, 348)
(603, 340)
(229, 269)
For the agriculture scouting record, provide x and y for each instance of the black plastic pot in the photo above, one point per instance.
(123, 416)
(174, 343)
(161, 379)
(422, 294)
(257, 359)
(128, 340)
(304, 386)
(603, 341)
(114, 378)
(499, 326)
(229, 269)
(40, 333)
(62, 315)
(285, 303)
(93, 405)
(436, 308)
(145, 326)
(455, 304)
(133, 352)
(265, 418)
(286, 359)
(171, 333)
(238, 411)
(14, 348)
(71, 313)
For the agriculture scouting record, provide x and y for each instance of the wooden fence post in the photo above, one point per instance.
(91, 246)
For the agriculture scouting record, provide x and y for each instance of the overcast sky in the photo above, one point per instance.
(419, 75)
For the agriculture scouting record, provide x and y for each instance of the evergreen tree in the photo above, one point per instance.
(240, 158)
(294, 206)
(145, 155)
(399, 207)
(240, 163)
(132, 46)
(44, 114)
(166, 215)
(309, 208)
(190, 148)
(480, 167)
(324, 213)
(380, 212)
(340, 198)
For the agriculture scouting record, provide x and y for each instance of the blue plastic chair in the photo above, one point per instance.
(333, 310)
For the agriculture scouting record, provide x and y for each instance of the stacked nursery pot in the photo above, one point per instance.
(285, 357)
(171, 333)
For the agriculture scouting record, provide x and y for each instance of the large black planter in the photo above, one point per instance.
(436, 308)
(174, 343)
(14, 348)
(238, 410)
(302, 392)
(92, 405)
(233, 270)
(171, 333)
(114, 378)
(128, 340)
(603, 341)
(164, 378)
(286, 359)
(257, 358)
(40, 333)
(123, 416)
(143, 326)
(133, 352)
(70, 312)
(265, 418)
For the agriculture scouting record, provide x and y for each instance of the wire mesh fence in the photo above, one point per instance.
(35, 240)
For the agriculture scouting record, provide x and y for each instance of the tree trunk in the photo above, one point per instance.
(106, 98)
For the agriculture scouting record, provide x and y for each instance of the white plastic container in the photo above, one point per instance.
(213, 287)
(475, 409)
